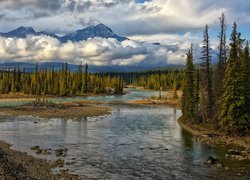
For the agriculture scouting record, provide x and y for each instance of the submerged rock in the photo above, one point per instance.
(46, 152)
(213, 162)
(61, 152)
(34, 148)
(38, 151)
(237, 154)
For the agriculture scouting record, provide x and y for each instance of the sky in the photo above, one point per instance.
(175, 24)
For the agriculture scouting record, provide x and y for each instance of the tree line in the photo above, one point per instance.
(152, 79)
(219, 95)
(63, 82)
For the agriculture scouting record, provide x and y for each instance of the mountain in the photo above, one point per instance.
(99, 30)
(20, 32)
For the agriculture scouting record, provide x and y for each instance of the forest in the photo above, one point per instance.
(152, 79)
(63, 82)
(219, 95)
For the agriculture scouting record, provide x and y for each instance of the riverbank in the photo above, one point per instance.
(172, 103)
(15, 97)
(165, 98)
(72, 110)
(211, 136)
(19, 165)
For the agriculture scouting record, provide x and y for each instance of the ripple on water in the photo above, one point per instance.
(130, 143)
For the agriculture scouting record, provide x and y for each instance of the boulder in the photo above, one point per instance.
(212, 161)
(34, 148)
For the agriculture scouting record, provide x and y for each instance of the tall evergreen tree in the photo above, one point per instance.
(221, 65)
(86, 79)
(206, 72)
(197, 90)
(233, 113)
(187, 102)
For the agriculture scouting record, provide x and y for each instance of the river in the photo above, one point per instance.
(134, 142)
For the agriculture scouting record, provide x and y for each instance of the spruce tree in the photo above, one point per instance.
(221, 65)
(86, 79)
(243, 122)
(206, 72)
(197, 90)
(233, 113)
(187, 102)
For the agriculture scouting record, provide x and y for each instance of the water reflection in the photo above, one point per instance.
(143, 142)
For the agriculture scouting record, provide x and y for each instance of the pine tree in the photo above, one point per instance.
(233, 113)
(243, 122)
(221, 66)
(206, 72)
(79, 78)
(86, 79)
(175, 95)
(197, 90)
(187, 102)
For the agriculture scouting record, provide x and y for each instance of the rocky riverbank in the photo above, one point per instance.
(211, 136)
(18, 165)
(165, 98)
(172, 103)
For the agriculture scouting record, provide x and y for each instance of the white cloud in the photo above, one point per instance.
(95, 51)
(126, 17)
(173, 23)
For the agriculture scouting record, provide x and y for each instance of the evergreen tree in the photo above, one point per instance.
(206, 72)
(221, 66)
(234, 113)
(187, 103)
(79, 78)
(197, 90)
(175, 95)
(86, 79)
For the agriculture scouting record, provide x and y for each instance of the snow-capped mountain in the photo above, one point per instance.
(99, 30)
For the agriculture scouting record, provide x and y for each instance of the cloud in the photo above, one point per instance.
(95, 51)
(175, 24)
(126, 17)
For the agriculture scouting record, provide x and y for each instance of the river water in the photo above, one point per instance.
(143, 142)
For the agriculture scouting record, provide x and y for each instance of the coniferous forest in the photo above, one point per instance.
(61, 82)
(219, 95)
(65, 82)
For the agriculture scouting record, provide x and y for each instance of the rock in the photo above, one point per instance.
(38, 151)
(61, 152)
(57, 163)
(211, 161)
(219, 165)
(234, 152)
(34, 148)
(46, 152)
(237, 155)
(244, 153)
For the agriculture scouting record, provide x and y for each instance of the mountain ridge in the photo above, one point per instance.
(99, 30)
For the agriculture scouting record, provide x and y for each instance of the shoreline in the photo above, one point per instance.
(214, 137)
(30, 97)
(74, 110)
(169, 103)
(19, 165)
(16, 164)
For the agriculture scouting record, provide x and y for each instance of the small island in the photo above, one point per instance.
(46, 109)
